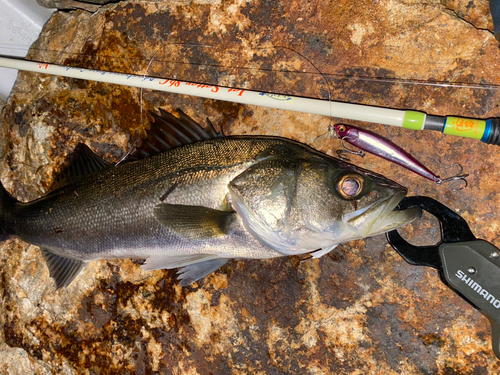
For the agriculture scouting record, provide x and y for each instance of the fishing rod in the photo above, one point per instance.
(487, 131)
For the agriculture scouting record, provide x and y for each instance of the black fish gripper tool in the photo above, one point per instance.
(467, 265)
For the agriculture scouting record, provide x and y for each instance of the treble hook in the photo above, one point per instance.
(132, 149)
(459, 176)
(345, 150)
(329, 134)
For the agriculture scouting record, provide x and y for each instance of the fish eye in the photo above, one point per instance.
(350, 185)
(341, 128)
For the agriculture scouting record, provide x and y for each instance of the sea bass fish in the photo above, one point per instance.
(206, 200)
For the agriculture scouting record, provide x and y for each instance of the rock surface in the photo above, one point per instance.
(88, 5)
(359, 310)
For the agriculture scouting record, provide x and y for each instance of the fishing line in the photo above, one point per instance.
(487, 131)
(324, 75)
(141, 122)
(329, 92)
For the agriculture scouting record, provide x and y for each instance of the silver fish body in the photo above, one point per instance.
(201, 204)
(111, 214)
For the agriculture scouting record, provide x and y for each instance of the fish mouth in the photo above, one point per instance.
(380, 217)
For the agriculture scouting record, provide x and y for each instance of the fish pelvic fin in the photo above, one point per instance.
(164, 261)
(194, 222)
(197, 271)
(193, 267)
(8, 208)
(63, 270)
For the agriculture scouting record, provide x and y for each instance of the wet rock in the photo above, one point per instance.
(361, 308)
(88, 5)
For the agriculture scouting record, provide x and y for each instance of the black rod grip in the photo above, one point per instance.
(494, 137)
(495, 15)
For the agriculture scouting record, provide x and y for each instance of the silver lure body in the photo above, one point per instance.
(384, 148)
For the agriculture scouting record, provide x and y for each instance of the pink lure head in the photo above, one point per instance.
(343, 131)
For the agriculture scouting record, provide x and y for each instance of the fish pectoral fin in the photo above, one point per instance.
(63, 270)
(194, 222)
(197, 271)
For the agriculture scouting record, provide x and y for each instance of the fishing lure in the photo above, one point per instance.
(377, 145)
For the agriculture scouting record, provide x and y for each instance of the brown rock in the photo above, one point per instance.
(360, 309)
(88, 5)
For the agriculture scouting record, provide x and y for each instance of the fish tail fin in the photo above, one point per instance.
(8, 204)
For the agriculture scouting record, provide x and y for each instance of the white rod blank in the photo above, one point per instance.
(350, 111)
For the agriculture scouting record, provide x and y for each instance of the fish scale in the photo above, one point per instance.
(114, 208)
(198, 205)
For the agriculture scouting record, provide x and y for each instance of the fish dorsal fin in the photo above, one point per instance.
(82, 163)
(63, 270)
(168, 131)
(194, 222)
